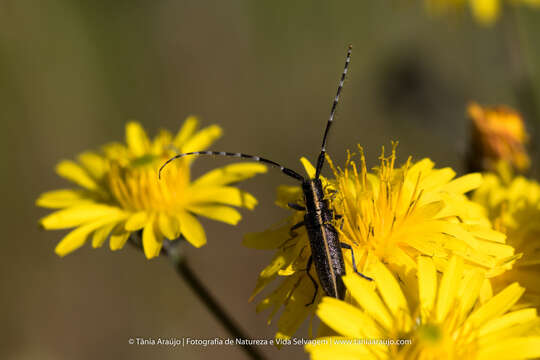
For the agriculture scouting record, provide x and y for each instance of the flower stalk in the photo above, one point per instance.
(177, 257)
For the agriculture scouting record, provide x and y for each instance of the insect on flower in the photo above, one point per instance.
(326, 248)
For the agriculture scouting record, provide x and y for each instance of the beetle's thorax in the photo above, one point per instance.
(313, 194)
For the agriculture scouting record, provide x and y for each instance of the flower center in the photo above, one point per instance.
(137, 187)
(430, 333)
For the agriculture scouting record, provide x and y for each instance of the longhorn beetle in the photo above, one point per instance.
(326, 249)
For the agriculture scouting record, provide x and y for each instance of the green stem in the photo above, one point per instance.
(175, 254)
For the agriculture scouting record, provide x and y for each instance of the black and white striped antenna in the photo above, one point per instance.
(285, 170)
(320, 160)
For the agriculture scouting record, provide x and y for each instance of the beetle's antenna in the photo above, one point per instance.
(320, 160)
(285, 170)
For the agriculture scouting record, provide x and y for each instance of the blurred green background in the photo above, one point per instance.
(73, 72)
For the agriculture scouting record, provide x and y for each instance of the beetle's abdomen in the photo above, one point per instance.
(324, 240)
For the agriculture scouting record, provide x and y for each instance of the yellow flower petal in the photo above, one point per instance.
(449, 287)
(74, 172)
(101, 234)
(346, 319)
(202, 139)
(162, 142)
(222, 195)
(221, 213)
(230, 174)
(471, 285)
(117, 241)
(277, 296)
(427, 285)
(296, 310)
(169, 226)
(136, 221)
(281, 262)
(287, 194)
(310, 170)
(488, 234)
(136, 139)
(191, 229)
(151, 241)
(77, 215)
(278, 262)
(497, 305)
(60, 198)
(95, 164)
(464, 184)
(516, 348)
(266, 240)
(508, 320)
(116, 151)
(486, 292)
(76, 238)
(363, 293)
(390, 290)
(429, 211)
(436, 178)
(187, 130)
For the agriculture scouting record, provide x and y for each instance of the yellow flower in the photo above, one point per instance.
(396, 214)
(498, 134)
(455, 319)
(514, 206)
(390, 215)
(486, 12)
(119, 192)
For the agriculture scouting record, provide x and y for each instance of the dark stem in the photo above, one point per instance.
(175, 254)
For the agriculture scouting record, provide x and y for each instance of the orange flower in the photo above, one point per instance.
(498, 134)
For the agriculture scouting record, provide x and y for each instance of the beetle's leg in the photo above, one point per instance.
(336, 219)
(292, 233)
(315, 285)
(294, 227)
(332, 193)
(309, 263)
(348, 247)
(296, 207)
